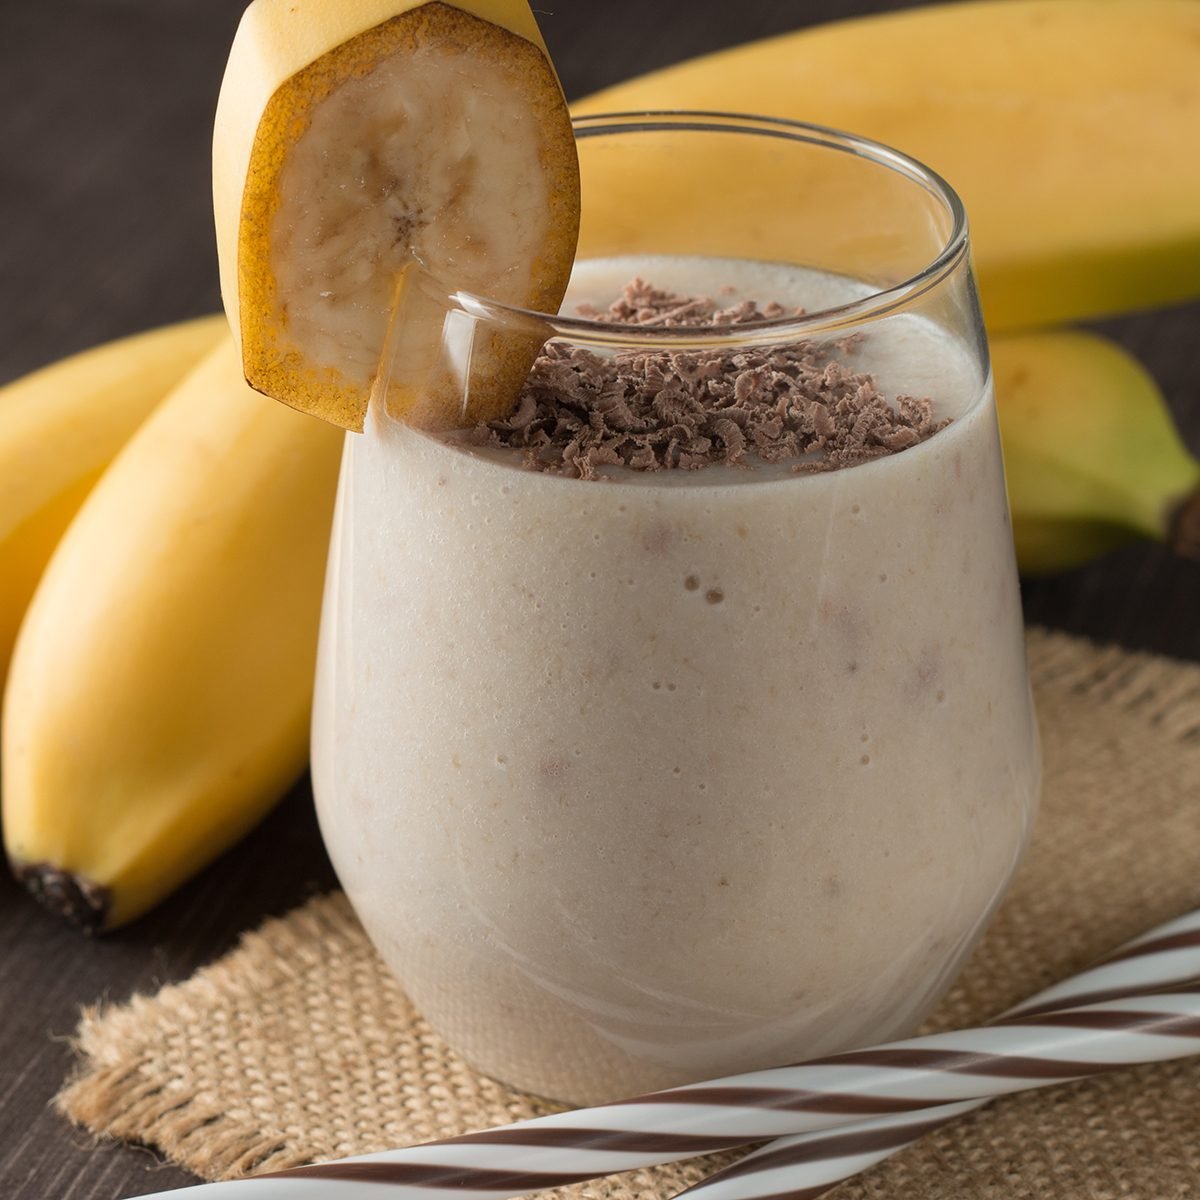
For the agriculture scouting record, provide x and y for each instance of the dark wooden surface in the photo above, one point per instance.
(105, 108)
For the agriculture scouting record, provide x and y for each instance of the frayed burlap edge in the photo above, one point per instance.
(121, 1090)
(117, 1090)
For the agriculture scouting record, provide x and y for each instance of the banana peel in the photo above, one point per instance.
(1061, 123)
(159, 695)
(1091, 455)
(60, 427)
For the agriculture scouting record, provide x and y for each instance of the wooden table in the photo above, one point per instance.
(104, 203)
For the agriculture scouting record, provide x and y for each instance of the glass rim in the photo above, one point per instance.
(876, 304)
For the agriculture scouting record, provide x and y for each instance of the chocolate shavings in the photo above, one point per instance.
(580, 412)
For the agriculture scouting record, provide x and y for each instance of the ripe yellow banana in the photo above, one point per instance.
(1090, 452)
(59, 428)
(159, 692)
(1059, 122)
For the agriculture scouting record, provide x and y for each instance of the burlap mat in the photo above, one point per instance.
(298, 1046)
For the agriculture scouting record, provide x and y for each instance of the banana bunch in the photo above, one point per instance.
(174, 522)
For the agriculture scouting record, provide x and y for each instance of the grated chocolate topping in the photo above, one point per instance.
(580, 412)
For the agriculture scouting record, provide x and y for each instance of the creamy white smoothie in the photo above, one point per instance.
(651, 779)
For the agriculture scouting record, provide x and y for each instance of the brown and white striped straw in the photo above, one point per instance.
(1140, 1005)
(808, 1165)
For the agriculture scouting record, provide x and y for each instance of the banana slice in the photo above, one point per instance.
(369, 159)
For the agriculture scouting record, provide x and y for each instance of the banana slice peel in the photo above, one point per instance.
(354, 140)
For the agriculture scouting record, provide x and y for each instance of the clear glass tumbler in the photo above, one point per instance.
(665, 775)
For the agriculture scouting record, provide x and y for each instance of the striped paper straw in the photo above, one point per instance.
(1127, 1016)
(808, 1165)
(805, 1166)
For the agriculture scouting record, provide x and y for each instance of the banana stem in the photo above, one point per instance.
(1183, 530)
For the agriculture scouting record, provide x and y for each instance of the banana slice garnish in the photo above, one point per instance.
(351, 146)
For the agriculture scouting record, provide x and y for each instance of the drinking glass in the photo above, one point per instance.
(666, 775)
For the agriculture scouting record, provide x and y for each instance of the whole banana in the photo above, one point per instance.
(1091, 455)
(159, 692)
(59, 428)
(1061, 130)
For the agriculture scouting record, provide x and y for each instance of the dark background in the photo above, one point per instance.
(105, 113)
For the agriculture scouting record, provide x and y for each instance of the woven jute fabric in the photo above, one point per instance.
(298, 1046)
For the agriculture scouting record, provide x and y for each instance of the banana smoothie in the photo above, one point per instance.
(653, 775)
